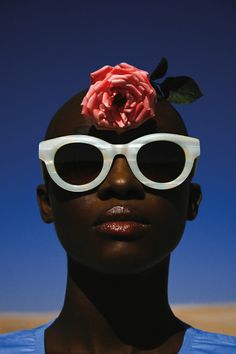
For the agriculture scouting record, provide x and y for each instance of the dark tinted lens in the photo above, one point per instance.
(78, 163)
(161, 161)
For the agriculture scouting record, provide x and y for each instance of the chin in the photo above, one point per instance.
(124, 265)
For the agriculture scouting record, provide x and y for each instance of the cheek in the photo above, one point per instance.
(169, 215)
(73, 221)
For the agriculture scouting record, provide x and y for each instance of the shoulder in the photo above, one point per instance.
(28, 341)
(196, 340)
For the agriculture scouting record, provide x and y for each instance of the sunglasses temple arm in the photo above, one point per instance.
(43, 169)
(195, 165)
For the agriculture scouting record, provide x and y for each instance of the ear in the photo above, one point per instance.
(195, 197)
(44, 204)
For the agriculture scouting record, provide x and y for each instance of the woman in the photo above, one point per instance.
(118, 187)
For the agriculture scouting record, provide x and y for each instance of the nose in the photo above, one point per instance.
(120, 182)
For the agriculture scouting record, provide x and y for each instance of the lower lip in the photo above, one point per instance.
(131, 229)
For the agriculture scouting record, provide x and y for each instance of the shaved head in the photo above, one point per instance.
(69, 120)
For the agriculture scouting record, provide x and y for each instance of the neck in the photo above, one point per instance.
(131, 309)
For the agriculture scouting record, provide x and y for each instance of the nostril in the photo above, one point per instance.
(120, 191)
(120, 182)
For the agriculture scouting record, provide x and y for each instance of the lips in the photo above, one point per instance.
(121, 222)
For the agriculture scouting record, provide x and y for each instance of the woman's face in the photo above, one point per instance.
(121, 226)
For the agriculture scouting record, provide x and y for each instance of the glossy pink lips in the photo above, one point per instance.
(121, 222)
(121, 227)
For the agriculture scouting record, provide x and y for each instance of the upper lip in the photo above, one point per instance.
(120, 213)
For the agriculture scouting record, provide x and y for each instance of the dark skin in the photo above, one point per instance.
(116, 297)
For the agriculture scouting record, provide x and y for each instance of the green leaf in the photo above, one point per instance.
(180, 89)
(158, 92)
(160, 70)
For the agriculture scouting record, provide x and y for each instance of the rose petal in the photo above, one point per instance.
(142, 76)
(147, 87)
(127, 66)
(100, 86)
(84, 101)
(106, 100)
(143, 114)
(100, 74)
(146, 102)
(121, 122)
(97, 114)
(116, 82)
(102, 107)
(134, 90)
(85, 111)
(92, 101)
(130, 104)
(117, 70)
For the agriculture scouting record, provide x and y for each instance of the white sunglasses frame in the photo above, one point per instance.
(48, 149)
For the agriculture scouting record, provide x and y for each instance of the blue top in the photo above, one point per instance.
(195, 342)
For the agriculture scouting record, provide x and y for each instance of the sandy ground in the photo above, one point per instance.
(217, 318)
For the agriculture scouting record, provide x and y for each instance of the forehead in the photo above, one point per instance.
(68, 120)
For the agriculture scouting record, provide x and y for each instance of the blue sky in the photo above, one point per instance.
(48, 49)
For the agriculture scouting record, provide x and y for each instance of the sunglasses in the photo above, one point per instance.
(78, 163)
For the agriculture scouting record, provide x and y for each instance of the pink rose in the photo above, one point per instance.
(119, 97)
